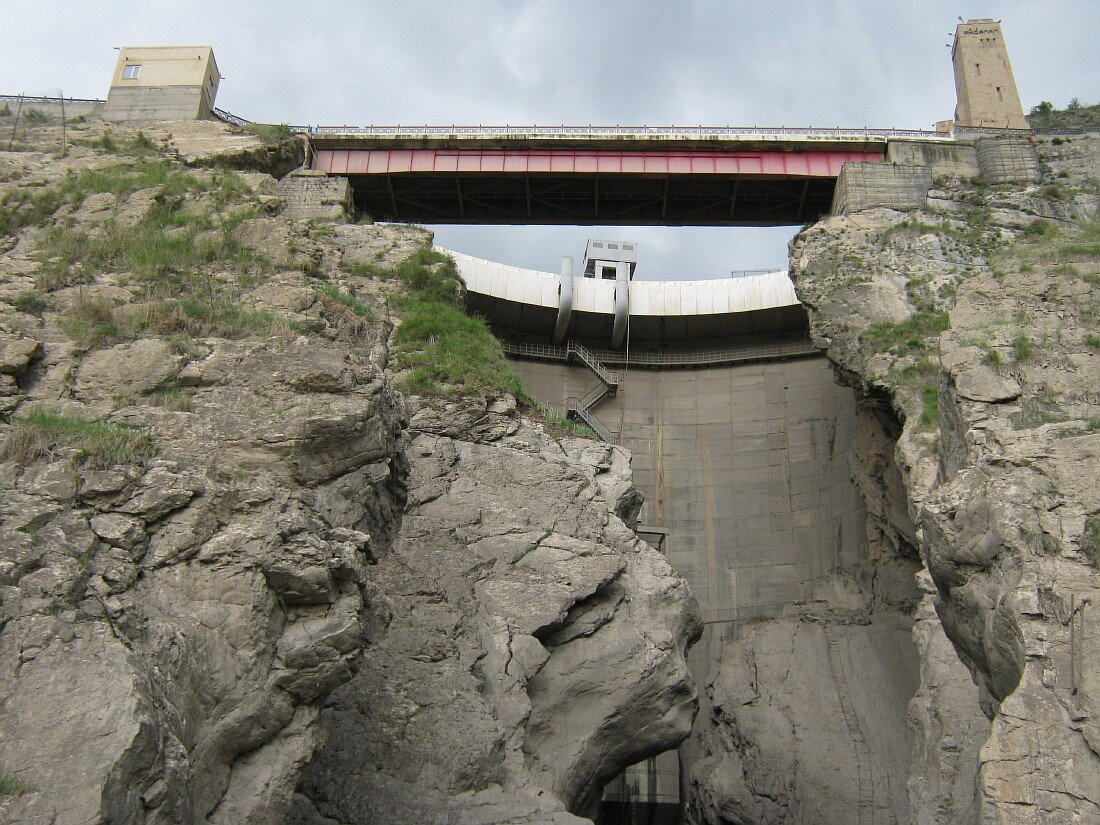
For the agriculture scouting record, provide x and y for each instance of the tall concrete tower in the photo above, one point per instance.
(984, 86)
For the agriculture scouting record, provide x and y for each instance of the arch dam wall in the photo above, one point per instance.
(741, 440)
(739, 432)
(745, 466)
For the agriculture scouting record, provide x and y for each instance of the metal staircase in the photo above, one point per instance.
(580, 409)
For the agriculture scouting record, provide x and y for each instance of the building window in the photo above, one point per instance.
(132, 72)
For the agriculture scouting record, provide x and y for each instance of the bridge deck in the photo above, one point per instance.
(588, 175)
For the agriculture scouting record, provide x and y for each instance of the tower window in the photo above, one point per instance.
(978, 69)
(132, 72)
(1000, 97)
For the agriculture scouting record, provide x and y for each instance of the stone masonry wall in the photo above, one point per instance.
(1006, 159)
(867, 185)
(313, 195)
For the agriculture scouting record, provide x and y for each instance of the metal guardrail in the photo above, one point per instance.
(563, 131)
(732, 355)
(229, 117)
(748, 273)
(44, 99)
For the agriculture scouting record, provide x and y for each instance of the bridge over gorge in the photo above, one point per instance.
(613, 175)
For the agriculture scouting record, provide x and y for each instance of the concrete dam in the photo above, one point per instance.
(741, 436)
(739, 431)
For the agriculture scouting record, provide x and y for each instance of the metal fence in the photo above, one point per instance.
(31, 100)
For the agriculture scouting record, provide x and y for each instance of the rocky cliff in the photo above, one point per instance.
(969, 327)
(246, 579)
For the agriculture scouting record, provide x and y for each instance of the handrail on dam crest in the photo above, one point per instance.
(707, 358)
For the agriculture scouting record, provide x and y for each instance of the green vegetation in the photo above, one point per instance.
(905, 228)
(100, 443)
(170, 395)
(166, 256)
(930, 406)
(991, 356)
(269, 132)
(1038, 228)
(1022, 347)
(139, 145)
(1076, 115)
(31, 303)
(558, 425)
(167, 246)
(94, 322)
(908, 335)
(352, 318)
(1092, 340)
(12, 785)
(28, 206)
(446, 351)
(35, 116)
(349, 301)
(1090, 539)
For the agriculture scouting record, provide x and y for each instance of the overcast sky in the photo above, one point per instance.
(809, 63)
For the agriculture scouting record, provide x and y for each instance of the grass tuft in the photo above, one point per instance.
(12, 785)
(446, 351)
(930, 401)
(1022, 347)
(98, 443)
(908, 335)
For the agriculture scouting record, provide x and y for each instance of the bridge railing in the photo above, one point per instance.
(563, 131)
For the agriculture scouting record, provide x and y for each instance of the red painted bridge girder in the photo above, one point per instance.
(811, 164)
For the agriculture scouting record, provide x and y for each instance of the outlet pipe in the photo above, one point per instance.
(565, 301)
(622, 304)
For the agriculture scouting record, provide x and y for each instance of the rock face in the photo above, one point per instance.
(220, 549)
(969, 329)
(999, 395)
(525, 617)
(174, 627)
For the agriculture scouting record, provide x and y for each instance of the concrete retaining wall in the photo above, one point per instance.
(944, 159)
(868, 185)
(1007, 159)
(157, 103)
(315, 196)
